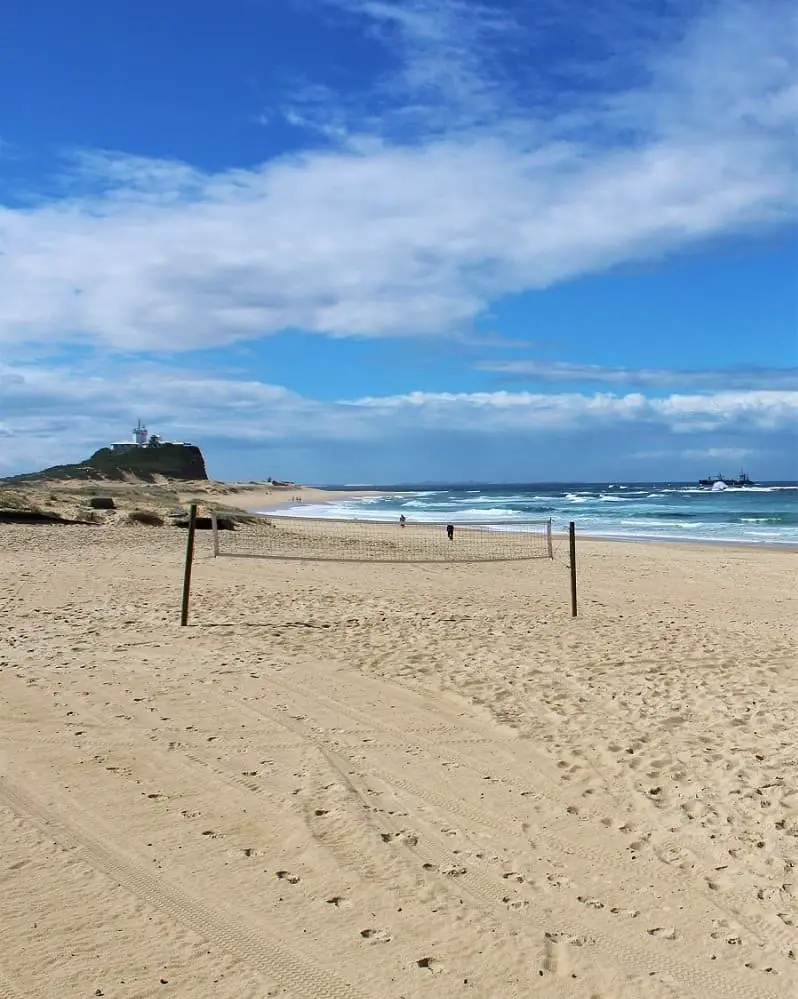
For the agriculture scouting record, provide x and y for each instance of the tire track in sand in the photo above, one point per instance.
(669, 851)
(251, 948)
(580, 925)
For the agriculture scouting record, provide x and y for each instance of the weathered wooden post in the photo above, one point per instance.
(192, 526)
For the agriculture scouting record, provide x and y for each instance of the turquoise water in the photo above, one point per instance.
(763, 514)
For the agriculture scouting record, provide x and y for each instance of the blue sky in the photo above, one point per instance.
(398, 240)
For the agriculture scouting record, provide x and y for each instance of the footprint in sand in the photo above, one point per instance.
(337, 901)
(376, 936)
(292, 879)
(675, 855)
(557, 959)
(430, 964)
(666, 933)
(405, 837)
(719, 882)
(249, 852)
(453, 871)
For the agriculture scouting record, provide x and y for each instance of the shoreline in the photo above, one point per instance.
(269, 503)
(687, 543)
(69, 500)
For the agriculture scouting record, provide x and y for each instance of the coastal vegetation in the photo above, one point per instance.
(145, 464)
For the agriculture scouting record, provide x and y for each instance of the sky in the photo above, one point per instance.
(374, 241)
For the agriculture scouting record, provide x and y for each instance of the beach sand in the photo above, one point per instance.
(256, 497)
(402, 781)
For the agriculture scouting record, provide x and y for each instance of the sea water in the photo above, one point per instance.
(762, 514)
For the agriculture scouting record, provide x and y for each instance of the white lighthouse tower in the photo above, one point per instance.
(142, 438)
(140, 434)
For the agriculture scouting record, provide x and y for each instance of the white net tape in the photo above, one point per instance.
(377, 541)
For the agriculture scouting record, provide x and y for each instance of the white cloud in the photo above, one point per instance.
(447, 75)
(695, 454)
(61, 412)
(378, 236)
(740, 377)
(502, 411)
(717, 453)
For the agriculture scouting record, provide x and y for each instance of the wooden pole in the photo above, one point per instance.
(192, 526)
(572, 544)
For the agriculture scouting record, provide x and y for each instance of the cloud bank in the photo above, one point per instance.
(59, 413)
(740, 377)
(466, 188)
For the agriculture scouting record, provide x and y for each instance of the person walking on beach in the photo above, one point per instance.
(402, 520)
(450, 532)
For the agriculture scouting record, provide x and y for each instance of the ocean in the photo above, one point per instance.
(762, 514)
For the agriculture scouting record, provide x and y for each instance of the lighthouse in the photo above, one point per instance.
(140, 434)
(142, 438)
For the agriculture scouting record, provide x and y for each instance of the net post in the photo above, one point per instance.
(192, 526)
(548, 539)
(215, 529)
(572, 546)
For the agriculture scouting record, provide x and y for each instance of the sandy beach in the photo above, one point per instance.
(356, 781)
(259, 497)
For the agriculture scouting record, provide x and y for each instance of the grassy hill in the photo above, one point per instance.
(170, 461)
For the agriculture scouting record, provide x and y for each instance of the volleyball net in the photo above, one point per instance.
(311, 539)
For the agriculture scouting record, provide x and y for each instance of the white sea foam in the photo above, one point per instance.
(621, 535)
(750, 489)
(744, 516)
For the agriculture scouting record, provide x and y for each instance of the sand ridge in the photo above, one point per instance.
(398, 781)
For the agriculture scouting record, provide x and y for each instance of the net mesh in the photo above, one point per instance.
(376, 541)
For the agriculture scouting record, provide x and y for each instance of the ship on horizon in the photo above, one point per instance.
(740, 482)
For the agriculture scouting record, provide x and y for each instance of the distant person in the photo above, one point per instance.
(450, 532)
(402, 520)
